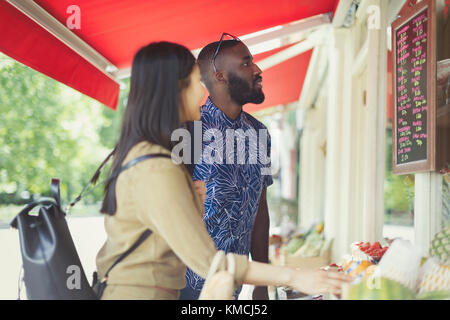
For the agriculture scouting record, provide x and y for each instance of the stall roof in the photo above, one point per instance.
(116, 29)
(282, 83)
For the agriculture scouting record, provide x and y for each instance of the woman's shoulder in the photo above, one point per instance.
(161, 171)
(163, 162)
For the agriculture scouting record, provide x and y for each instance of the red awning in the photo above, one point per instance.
(25, 41)
(282, 83)
(117, 29)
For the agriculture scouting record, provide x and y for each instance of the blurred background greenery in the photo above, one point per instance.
(398, 192)
(49, 130)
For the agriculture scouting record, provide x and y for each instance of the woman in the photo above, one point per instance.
(159, 195)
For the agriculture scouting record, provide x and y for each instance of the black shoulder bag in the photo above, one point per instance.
(51, 265)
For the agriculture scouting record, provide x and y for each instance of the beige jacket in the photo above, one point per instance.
(159, 195)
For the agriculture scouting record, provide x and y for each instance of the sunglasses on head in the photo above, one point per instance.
(218, 48)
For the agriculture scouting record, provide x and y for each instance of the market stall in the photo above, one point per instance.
(390, 269)
(348, 118)
(331, 57)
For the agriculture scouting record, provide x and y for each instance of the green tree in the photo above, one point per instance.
(110, 129)
(50, 130)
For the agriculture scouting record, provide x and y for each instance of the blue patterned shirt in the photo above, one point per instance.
(233, 186)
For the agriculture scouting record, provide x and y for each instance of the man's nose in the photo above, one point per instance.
(257, 70)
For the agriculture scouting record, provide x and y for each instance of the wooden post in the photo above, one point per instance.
(373, 212)
(313, 141)
(312, 162)
(334, 127)
(346, 138)
(427, 208)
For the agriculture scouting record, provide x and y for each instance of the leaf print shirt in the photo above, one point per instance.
(235, 166)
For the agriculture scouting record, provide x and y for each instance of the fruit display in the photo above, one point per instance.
(440, 246)
(434, 277)
(359, 269)
(307, 244)
(294, 244)
(382, 270)
(312, 246)
(401, 263)
(400, 273)
(367, 251)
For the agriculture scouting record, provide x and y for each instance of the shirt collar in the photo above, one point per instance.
(222, 117)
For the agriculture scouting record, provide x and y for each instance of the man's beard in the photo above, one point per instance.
(241, 92)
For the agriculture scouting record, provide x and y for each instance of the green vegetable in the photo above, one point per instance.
(434, 295)
(294, 244)
(379, 289)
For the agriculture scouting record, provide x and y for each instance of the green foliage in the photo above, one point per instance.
(50, 130)
(398, 189)
(110, 130)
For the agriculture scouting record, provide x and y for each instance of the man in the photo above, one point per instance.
(236, 213)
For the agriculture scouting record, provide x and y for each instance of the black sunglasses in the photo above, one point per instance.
(218, 48)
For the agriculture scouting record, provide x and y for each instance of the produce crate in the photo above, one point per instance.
(306, 262)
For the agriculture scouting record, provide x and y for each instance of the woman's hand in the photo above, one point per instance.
(200, 189)
(319, 281)
(308, 281)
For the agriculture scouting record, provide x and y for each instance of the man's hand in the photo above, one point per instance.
(260, 293)
(200, 189)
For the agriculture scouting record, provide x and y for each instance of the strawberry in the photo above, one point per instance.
(334, 265)
(376, 245)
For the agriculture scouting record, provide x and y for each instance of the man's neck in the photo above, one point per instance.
(230, 108)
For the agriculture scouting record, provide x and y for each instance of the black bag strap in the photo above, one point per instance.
(138, 242)
(135, 161)
(143, 236)
(113, 175)
(147, 232)
(54, 188)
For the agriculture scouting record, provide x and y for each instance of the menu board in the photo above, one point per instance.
(414, 113)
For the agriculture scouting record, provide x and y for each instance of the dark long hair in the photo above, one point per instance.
(159, 71)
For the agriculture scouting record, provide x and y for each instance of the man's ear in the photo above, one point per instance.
(220, 77)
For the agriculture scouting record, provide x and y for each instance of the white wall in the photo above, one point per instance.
(353, 125)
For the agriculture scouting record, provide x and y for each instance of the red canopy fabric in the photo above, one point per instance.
(282, 83)
(117, 29)
(23, 40)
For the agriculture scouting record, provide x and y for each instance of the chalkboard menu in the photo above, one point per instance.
(414, 72)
